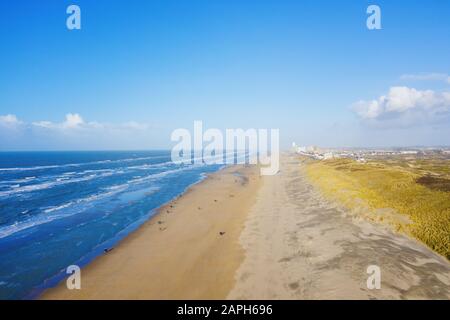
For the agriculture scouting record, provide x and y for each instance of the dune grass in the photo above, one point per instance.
(414, 191)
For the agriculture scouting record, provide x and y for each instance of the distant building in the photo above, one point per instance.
(328, 155)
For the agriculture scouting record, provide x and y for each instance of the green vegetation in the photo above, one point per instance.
(412, 195)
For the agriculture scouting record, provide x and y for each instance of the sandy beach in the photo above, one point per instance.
(241, 236)
(189, 250)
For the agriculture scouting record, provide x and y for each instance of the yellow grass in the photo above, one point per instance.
(376, 185)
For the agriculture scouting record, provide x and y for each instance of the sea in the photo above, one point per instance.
(65, 208)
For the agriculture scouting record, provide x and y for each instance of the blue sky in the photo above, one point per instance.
(137, 70)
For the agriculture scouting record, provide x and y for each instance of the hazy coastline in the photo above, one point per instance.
(238, 235)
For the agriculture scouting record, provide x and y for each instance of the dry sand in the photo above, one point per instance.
(282, 241)
(300, 246)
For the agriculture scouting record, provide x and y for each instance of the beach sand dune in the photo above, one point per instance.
(241, 236)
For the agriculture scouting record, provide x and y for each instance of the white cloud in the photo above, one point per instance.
(44, 124)
(433, 76)
(10, 120)
(74, 122)
(408, 105)
(73, 132)
(135, 125)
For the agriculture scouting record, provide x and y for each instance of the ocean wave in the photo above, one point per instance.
(219, 158)
(85, 175)
(15, 181)
(80, 164)
(32, 222)
(72, 177)
(158, 175)
(17, 189)
(113, 190)
(53, 213)
(152, 165)
(58, 212)
(117, 161)
(55, 208)
(72, 207)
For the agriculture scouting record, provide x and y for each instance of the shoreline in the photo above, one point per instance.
(204, 206)
(238, 235)
(84, 261)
